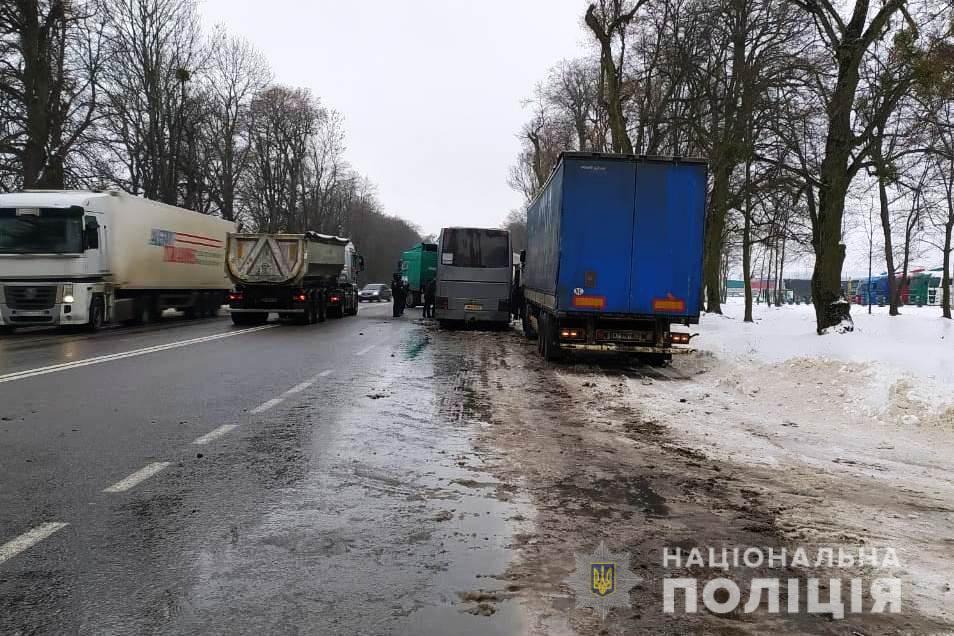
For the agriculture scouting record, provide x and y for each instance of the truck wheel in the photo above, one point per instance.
(528, 331)
(549, 347)
(239, 320)
(214, 304)
(97, 315)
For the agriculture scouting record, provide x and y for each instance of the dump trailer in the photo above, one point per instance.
(84, 258)
(614, 255)
(418, 268)
(301, 277)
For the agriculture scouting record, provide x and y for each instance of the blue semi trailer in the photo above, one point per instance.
(614, 255)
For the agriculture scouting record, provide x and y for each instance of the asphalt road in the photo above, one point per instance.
(195, 477)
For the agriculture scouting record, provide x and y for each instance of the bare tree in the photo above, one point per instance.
(848, 41)
(236, 73)
(608, 20)
(154, 50)
(49, 51)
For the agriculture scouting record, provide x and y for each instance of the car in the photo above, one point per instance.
(376, 292)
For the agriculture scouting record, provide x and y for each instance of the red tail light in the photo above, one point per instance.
(681, 338)
(300, 297)
(236, 296)
(335, 299)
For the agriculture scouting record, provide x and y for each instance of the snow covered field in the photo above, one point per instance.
(853, 434)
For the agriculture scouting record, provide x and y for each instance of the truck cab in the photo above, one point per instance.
(53, 265)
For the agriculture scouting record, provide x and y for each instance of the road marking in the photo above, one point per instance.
(20, 375)
(365, 350)
(264, 406)
(325, 373)
(215, 433)
(298, 388)
(29, 539)
(138, 477)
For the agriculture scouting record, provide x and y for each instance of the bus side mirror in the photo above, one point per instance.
(91, 234)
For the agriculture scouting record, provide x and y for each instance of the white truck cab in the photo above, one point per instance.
(52, 258)
(84, 258)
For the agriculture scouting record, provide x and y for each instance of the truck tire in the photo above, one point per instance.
(214, 304)
(550, 348)
(528, 331)
(97, 314)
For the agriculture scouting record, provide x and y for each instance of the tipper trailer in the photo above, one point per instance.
(614, 255)
(86, 258)
(303, 277)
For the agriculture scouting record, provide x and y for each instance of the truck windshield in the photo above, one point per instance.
(475, 247)
(50, 231)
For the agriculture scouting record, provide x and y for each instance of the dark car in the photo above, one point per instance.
(376, 292)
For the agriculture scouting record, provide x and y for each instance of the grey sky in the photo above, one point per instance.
(431, 90)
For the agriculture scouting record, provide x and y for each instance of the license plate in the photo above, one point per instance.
(269, 300)
(473, 307)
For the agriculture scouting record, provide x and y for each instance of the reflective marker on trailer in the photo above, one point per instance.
(589, 302)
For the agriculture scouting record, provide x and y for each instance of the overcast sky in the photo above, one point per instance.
(431, 90)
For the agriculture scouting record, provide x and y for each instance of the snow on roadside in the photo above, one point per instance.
(908, 360)
(851, 432)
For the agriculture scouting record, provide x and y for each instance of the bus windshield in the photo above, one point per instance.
(475, 247)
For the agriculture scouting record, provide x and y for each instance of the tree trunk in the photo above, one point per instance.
(612, 89)
(888, 246)
(946, 276)
(35, 49)
(715, 228)
(826, 231)
(747, 245)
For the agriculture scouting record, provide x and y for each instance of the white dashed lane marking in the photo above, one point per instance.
(29, 539)
(66, 366)
(138, 477)
(264, 406)
(215, 433)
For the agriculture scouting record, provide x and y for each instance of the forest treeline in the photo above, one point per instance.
(138, 95)
(812, 114)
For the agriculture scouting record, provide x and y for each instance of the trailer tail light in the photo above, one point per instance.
(670, 305)
(589, 302)
(680, 338)
(236, 297)
(442, 302)
(572, 334)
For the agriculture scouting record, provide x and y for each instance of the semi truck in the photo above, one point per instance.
(418, 268)
(614, 255)
(85, 258)
(301, 277)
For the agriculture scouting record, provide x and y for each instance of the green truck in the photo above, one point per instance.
(418, 267)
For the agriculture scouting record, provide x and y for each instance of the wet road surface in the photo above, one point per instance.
(201, 478)
(362, 476)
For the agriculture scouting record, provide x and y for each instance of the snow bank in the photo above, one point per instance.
(909, 359)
